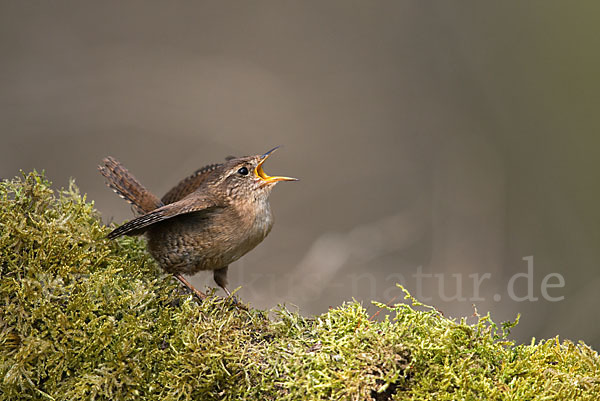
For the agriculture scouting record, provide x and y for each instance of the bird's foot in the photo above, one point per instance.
(234, 299)
(196, 292)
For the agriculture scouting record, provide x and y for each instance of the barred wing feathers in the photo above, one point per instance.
(188, 184)
(187, 205)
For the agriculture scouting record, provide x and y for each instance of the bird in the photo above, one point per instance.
(207, 221)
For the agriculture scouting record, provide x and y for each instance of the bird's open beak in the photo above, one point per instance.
(260, 173)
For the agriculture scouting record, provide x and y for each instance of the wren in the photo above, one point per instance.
(207, 221)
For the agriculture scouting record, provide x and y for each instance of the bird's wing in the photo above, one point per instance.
(188, 205)
(188, 184)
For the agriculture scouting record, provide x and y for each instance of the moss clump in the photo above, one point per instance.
(86, 318)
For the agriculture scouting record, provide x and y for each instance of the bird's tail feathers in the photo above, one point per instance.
(128, 187)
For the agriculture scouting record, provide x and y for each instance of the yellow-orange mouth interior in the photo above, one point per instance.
(260, 173)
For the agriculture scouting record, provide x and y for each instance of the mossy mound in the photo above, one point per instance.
(84, 318)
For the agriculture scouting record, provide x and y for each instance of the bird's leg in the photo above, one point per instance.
(220, 276)
(194, 291)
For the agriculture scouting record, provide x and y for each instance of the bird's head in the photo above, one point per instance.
(245, 176)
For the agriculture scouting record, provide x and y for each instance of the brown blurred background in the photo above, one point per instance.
(442, 138)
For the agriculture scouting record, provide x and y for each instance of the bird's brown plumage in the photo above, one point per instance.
(127, 186)
(207, 221)
(188, 184)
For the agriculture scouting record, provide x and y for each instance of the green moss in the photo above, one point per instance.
(86, 318)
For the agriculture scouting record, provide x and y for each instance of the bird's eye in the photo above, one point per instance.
(243, 171)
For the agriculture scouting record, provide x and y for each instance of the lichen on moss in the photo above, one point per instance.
(85, 318)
